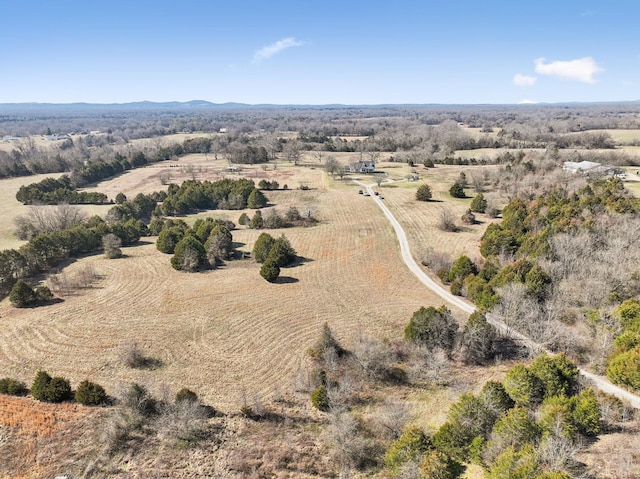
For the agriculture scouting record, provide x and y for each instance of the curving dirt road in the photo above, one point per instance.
(598, 381)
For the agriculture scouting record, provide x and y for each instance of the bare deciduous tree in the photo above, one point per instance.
(48, 219)
(111, 244)
(446, 220)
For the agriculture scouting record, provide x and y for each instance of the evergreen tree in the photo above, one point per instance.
(256, 199)
(423, 193)
(262, 247)
(90, 394)
(22, 295)
(478, 204)
(189, 254)
(457, 190)
(282, 252)
(270, 270)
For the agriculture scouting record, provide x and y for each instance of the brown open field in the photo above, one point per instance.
(225, 331)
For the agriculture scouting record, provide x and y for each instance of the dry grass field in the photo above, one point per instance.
(223, 332)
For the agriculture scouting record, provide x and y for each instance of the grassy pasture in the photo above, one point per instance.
(620, 136)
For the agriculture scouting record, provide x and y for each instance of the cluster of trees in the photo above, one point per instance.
(206, 244)
(274, 220)
(526, 426)
(142, 207)
(51, 191)
(194, 195)
(437, 329)
(269, 185)
(47, 250)
(525, 234)
(99, 169)
(22, 295)
(554, 261)
(529, 425)
(273, 254)
(56, 390)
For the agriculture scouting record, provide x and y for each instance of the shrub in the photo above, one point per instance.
(22, 295)
(326, 342)
(446, 220)
(168, 239)
(43, 294)
(12, 387)
(559, 376)
(436, 465)
(432, 327)
(515, 463)
(468, 218)
(556, 416)
(111, 244)
(479, 339)
(59, 390)
(587, 413)
(257, 222)
(90, 394)
(244, 219)
(320, 398)
(186, 395)
(270, 270)
(478, 204)
(625, 368)
(40, 385)
(457, 190)
(262, 246)
(46, 388)
(138, 399)
(282, 252)
(189, 254)
(156, 225)
(523, 386)
(423, 193)
(462, 268)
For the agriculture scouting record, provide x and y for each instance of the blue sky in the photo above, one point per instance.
(320, 52)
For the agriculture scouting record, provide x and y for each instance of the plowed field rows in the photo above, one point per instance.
(223, 332)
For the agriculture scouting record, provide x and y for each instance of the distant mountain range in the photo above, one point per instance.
(206, 105)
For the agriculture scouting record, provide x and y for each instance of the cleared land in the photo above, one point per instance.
(223, 332)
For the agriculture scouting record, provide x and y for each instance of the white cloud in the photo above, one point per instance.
(524, 80)
(528, 102)
(277, 47)
(582, 69)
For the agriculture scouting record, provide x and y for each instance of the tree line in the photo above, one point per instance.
(47, 250)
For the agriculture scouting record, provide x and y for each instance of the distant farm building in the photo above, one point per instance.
(362, 167)
(58, 137)
(9, 139)
(591, 167)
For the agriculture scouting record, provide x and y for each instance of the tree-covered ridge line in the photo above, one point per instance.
(553, 263)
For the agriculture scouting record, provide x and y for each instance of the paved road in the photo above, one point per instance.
(600, 382)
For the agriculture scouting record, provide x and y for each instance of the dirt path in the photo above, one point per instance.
(599, 381)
